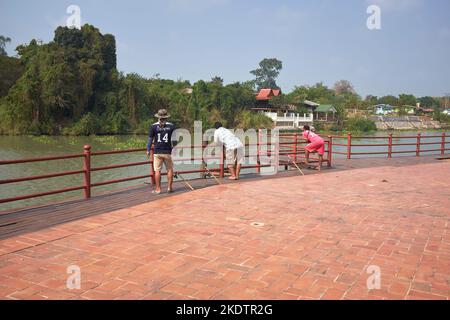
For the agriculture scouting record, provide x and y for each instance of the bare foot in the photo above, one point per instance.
(156, 191)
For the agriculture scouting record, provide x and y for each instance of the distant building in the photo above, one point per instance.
(410, 110)
(187, 90)
(286, 117)
(425, 111)
(383, 109)
(283, 115)
(320, 112)
(325, 112)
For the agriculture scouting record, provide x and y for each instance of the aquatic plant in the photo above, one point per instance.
(43, 139)
(132, 143)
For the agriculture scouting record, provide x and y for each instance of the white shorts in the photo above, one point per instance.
(235, 156)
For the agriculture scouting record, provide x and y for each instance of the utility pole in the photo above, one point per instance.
(447, 95)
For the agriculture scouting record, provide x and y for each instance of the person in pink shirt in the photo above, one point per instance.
(316, 144)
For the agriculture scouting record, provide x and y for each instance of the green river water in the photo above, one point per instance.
(20, 147)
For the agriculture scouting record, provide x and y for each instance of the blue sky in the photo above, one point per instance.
(317, 40)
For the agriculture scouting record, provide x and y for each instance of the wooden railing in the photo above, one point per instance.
(290, 145)
(421, 145)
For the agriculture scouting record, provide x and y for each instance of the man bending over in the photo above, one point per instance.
(234, 149)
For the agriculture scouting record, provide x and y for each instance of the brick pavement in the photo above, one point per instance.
(317, 236)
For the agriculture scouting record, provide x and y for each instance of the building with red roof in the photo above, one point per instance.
(282, 114)
(267, 94)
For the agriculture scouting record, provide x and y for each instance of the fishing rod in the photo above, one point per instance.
(295, 164)
(210, 173)
(177, 174)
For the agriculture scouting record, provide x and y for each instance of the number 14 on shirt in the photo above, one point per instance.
(165, 138)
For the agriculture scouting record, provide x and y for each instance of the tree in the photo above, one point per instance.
(218, 80)
(268, 71)
(371, 100)
(349, 101)
(343, 87)
(407, 100)
(61, 82)
(3, 42)
(318, 93)
(10, 70)
(429, 102)
(391, 100)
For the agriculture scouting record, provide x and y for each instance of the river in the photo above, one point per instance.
(21, 147)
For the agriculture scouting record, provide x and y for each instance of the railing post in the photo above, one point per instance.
(390, 146)
(87, 171)
(295, 147)
(222, 163)
(418, 144)
(443, 144)
(258, 152)
(152, 168)
(330, 150)
(349, 145)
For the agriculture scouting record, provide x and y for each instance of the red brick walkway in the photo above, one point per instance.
(319, 235)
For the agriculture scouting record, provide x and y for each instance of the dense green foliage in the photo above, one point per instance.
(265, 75)
(443, 118)
(10, 70)
(71, 86)
(62, 81)
(319, 93)
(430, 102)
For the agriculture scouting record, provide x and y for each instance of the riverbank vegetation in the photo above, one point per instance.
(360, 125)
(71, 86)
(442, 118)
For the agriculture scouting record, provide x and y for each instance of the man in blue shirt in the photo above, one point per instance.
(161, 137)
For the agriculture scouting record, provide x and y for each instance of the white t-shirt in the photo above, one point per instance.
(227, 138)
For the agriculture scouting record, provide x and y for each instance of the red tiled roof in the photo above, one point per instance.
(264, 94)
(267, 94)
(426, 110)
